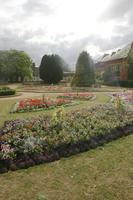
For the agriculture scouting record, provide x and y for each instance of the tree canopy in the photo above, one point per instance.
(51, 69)
(84, 75)
(14, 65)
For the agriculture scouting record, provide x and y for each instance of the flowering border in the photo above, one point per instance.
(26, 142)
(77, 96)
(33, 105)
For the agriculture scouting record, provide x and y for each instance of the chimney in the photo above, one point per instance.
(113, 53)
(106, 54)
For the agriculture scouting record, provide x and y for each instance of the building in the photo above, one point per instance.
(117, 61)
(35, 73)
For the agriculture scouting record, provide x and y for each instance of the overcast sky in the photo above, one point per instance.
(65, 27)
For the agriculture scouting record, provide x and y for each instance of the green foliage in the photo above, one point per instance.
(99, 77)
(15, 65)
(42, 197)
(84, 75)
(108, 75)
(128, 83)
(119, 104)
(59, 116)
(6, 91)
(64, 65)
(51, 69)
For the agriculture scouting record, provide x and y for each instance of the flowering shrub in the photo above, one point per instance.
(73, 96)
(39, 104)
(61, 132)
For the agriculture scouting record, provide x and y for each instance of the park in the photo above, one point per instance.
(63, 139)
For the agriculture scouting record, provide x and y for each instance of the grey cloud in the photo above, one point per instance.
(118, 9)
(32, 7)
(69, 51)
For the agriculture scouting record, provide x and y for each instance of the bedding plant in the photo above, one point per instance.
(78, 96)
(26, 142)
(39, 104)
(126, 96)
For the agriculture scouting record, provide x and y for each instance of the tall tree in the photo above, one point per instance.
(17, 65)
(64, 65)
(84, 75)
(51, 69)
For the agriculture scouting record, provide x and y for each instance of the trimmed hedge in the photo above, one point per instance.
(128, 83)
(4, 91)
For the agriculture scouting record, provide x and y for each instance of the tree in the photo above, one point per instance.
(51, 69)
(64, 65)
(2, 70)
(108, 75)
(84, 75)
(17, 65)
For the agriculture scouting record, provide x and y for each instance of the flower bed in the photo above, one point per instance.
(39, 104)
(48, 88)
(78, 96)
(127, 97)
(26, 142)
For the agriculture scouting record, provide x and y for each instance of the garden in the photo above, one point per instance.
(54, 127)
(26, 142)
(32, 140)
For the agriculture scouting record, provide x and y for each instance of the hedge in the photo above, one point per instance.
(4, 91)
(127, 83)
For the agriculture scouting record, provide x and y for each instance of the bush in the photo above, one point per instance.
(127, 83)
(4, 91)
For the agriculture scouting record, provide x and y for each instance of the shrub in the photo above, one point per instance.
(122, 83)
(6, 91)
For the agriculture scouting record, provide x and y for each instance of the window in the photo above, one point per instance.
(118, 67)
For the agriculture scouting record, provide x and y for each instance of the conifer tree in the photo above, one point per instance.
(84, 75)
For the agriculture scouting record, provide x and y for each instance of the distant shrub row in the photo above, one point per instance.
(127, 83)
(4, 91)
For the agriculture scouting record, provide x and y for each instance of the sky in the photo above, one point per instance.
(65, 27)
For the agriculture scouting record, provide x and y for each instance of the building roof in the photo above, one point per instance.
(119, 54)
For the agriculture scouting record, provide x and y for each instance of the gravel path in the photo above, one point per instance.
(23, 95)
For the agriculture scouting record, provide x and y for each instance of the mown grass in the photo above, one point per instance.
(105, 173)
(6, 106)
